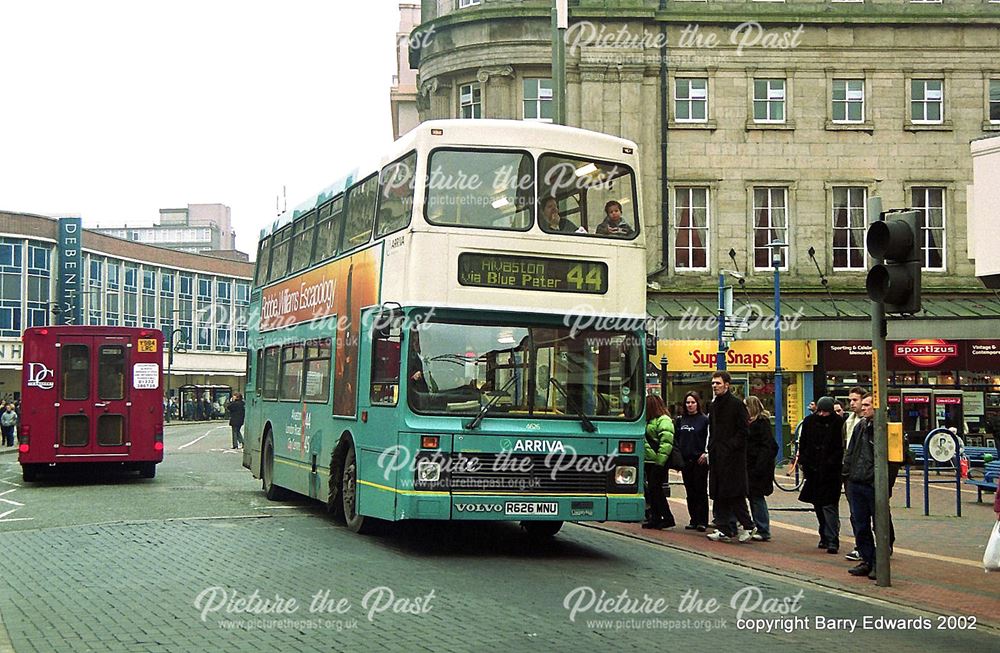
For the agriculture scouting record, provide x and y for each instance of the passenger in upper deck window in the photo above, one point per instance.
(552, 222)
(613, 224)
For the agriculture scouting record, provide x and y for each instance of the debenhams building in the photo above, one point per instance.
(52, 271)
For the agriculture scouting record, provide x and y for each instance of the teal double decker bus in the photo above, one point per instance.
(457, 333)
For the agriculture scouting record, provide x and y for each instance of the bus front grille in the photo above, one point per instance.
(529, 474)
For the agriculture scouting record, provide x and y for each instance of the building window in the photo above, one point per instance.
(995, 100)
(204, 289)
(470, 101)
(185, 286)
(538, 99)
(222, 291)
(39, 260)
(113, 275)
(769, 100)
(131, 277)
(926, 101)
(931, 202)
(848, 100)
(10, 318)
(462, 4)
(849, 224)
(691, 230)
(691, 99)
(770, 224)
(10, 256)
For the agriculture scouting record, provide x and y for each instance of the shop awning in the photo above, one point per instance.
(819, 317)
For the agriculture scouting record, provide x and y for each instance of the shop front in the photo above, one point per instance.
(931, 383)
(691, 363)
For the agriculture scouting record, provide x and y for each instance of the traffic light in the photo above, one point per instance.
(898, 239)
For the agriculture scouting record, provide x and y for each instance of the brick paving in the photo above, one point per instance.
(956, 585)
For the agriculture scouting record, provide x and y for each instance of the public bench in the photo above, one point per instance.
(988, 482)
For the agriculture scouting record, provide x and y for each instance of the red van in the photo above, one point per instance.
(91, 394)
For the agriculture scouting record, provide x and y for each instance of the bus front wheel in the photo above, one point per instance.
(541, 529)
(271, 491)
(349, 495)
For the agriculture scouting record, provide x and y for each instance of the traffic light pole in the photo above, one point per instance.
(882, 519)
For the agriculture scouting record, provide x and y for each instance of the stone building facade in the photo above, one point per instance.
(782, 118)
(760, 121)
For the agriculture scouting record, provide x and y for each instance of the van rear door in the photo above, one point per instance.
(92, 409)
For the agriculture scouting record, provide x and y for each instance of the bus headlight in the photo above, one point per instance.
(626, 475)
(428, 471)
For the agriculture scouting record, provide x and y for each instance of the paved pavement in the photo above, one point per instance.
(936, 565)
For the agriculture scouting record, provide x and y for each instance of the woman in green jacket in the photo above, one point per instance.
(659, 444)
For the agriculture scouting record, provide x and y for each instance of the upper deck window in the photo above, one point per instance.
(279, 253)
(360, 213)
(395, 204)
(481, 189)
(331, 219)
(302, 242)
(592, 197)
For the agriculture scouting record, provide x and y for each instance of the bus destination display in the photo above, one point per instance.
(532, 273)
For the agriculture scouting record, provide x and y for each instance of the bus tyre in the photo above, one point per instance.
(541, 529)
(147, 470)
(349, 495)
(29, 473)
(271, 491)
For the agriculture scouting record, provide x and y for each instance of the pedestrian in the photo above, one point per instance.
(854, 418)
(838, 409)
(821, 456)
(237, 413)
(658, 447)
(8, 420)
(727, 462)
(762, 450)
(812, 407)
(996, 500)
(859, 470)
(691, 436)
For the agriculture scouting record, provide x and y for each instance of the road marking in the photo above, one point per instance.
(198, 439)
(8, 491)
(13, 503)
(4, 514)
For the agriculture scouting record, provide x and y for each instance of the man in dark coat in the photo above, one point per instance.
(821, 457)
(727, 462)
(237, 414)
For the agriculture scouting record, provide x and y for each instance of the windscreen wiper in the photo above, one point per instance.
(588, 426)
(471, 425)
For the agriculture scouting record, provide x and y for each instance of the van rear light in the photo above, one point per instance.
(158, 440)
(25, 434)
(23, 447)
(157, 446)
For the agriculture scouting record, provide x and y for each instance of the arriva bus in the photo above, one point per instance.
(91, 394)
(457, 333)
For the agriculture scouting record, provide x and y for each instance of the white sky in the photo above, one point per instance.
(114, 109)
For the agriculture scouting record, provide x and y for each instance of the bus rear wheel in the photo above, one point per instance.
(271, 491)
(29, 472)
(349, 495)
(541, 529)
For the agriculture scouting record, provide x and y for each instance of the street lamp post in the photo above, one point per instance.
(170, 362)
(778, 401)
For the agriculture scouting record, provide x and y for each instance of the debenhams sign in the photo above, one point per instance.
(10, 351)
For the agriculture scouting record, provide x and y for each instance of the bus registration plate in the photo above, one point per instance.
(147, 345)
(530, 508)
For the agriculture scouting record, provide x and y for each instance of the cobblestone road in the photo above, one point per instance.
(180, 584)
